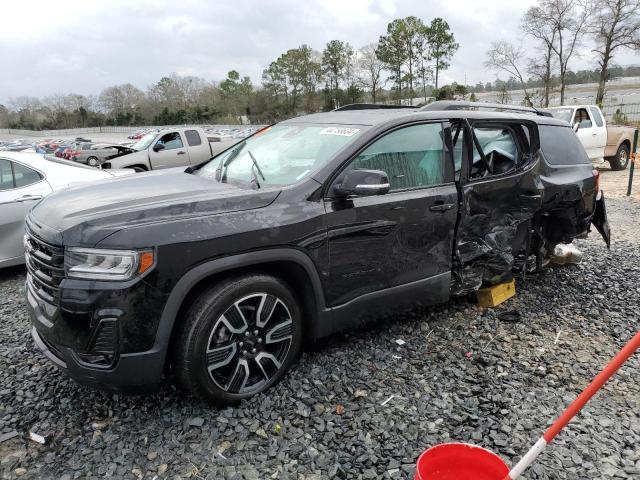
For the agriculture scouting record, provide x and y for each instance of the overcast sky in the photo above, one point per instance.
(82, 46)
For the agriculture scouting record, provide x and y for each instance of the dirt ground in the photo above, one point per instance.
(614, 184)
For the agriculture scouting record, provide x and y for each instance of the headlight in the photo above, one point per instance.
(98, 264)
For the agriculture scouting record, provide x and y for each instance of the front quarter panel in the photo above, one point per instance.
(291, 221)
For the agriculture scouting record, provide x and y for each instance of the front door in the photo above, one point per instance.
(588, 133)
(401, 238)
(500, 194)
(169, 151)
(20, 189)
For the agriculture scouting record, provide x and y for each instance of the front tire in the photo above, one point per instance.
(621, 160)
(238, 338)
(92, 161)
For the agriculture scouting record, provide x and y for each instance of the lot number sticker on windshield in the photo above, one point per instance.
(341, 131)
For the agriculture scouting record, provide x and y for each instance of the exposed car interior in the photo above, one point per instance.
(495, 150)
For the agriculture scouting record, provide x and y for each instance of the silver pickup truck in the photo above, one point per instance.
(175, 147)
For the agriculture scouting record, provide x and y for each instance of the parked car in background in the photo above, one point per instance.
(601, 141)
(98, 153)
(319, 223)
(60, 151)
(16, 145)
(25, 178)
(169, 148)
(68, 152)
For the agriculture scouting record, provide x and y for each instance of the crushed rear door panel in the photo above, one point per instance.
(495, 223)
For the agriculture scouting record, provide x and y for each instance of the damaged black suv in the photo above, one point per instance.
(219, 271)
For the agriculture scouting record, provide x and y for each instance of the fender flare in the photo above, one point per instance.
(204, 270)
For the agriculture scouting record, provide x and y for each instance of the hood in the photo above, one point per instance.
(85, 214)
(136, 156)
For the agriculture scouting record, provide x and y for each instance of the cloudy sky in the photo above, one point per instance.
(82, 46)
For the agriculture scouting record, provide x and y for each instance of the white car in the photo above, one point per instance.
(25, 178)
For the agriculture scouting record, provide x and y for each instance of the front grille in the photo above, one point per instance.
(45, 264)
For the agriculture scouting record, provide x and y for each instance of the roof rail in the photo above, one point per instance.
(371, 106)
(462, 105)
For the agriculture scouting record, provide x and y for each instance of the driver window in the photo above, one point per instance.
(412, 157)
(498, 152)
(171, 140)
(582, 118)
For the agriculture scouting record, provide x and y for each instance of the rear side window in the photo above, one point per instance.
(596, 116)
(499, 147)
(560, 146)
(6, 175)
(193, 137)
(24, 175)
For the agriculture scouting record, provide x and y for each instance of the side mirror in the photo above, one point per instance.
(362, 183)
(576, 126)
(158, 146)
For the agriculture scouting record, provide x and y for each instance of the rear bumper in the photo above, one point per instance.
(133, 372)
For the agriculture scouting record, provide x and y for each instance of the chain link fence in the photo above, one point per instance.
(622, 113)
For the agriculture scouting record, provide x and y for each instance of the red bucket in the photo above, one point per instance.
(457, 461)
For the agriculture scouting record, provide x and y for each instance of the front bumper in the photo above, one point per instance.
(125, 372)
(102, 334)
(133, 372)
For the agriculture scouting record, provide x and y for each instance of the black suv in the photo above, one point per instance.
(221, 270)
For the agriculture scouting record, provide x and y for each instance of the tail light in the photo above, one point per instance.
(596, 176)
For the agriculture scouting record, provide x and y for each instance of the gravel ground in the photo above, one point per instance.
(360, 405)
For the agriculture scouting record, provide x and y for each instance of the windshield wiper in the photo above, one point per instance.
(255, 167)
(232, 156)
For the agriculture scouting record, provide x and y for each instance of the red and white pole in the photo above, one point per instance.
(575, 407)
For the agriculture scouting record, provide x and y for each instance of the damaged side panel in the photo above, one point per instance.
(505, 219)
(495, 224)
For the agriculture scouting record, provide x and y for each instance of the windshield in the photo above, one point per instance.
(285, 154)
(144, 142)
(562, 113)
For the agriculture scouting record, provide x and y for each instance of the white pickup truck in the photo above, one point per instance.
(601, 142)
(175, 147)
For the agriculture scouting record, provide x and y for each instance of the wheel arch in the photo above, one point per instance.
(290, 265)
(626, 142)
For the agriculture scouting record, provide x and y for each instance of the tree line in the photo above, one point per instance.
(404, 64)
(559, 28)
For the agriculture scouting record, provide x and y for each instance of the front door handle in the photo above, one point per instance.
(442, 207)
(181, 152)
(28, 198)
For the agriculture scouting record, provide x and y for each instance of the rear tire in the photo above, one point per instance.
(92, 161)
(621, 160)
(238, 338)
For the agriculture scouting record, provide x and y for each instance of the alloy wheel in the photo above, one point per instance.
(249, 343)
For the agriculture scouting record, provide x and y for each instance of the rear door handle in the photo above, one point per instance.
(28, 198)
(442, 207)
(181, 152)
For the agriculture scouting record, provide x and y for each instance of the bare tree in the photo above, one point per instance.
(569, 19)
(506, 57)
(535, 24)
(371, 68)
(614, 25)
(540, 68)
